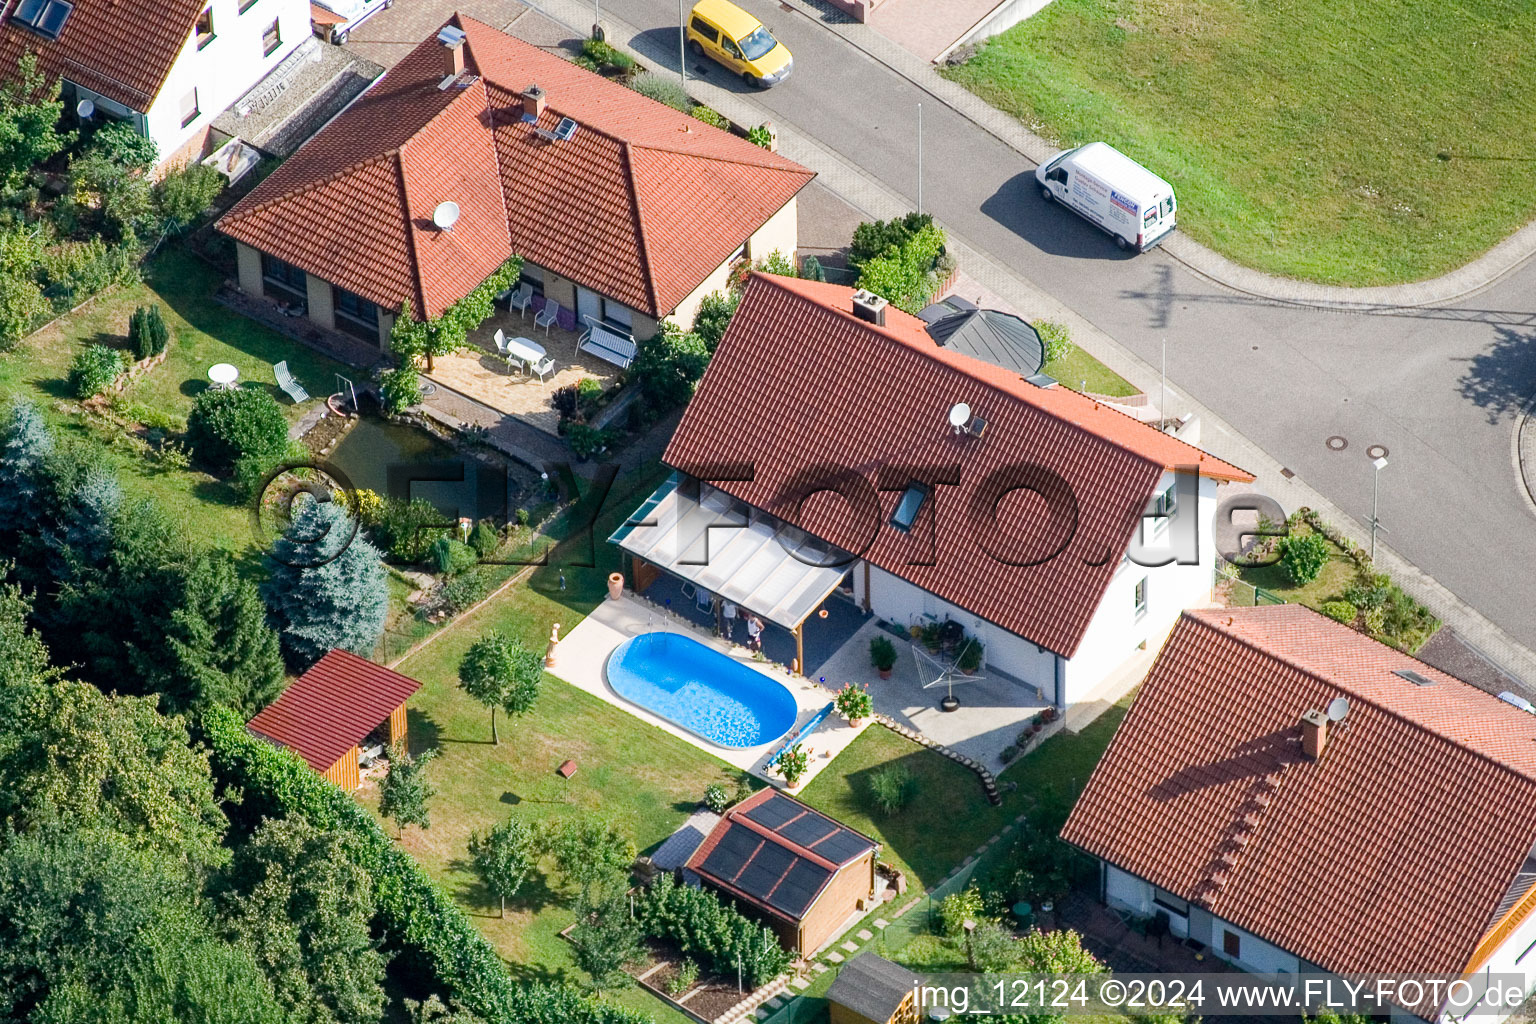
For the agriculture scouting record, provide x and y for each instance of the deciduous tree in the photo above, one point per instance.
(503, 856)
(404, 791)
(29, 120)
(500, 672)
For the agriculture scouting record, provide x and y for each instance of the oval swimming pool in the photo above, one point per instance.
(699, 689)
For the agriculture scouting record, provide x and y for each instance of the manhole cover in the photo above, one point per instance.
(1377, 451)
(1337, 443)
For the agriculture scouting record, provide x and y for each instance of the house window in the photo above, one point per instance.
(1165, 504)
(356, 315)
(203, 30)
(1141, 597)
(1231, 944)
(287, 280)
(246, 5)
(908, 507)
(271, 39)
(45, 17)
(618, 315)
(189, 109)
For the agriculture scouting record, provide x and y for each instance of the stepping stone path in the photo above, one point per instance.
(801, 983)
(851, 946)
(865, 935)
(818, 968)
(881, 922)
(835, 957)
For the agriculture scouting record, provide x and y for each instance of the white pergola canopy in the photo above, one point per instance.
(733, 551)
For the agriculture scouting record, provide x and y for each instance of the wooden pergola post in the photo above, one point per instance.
(800, 648)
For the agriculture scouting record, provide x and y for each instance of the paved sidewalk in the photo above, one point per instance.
(926, 28)
(1480, 273)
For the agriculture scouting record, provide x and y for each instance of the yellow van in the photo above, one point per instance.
(720, 30)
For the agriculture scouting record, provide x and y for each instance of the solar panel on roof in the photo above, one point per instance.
(841, 846)
(732, 853)
(774, 812)
(807, 829)
(799, 887)
(765, 870)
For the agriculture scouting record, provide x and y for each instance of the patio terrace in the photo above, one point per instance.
(482, 374)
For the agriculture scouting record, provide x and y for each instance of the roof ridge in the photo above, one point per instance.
(775, 165)
(769, 835)
(1203, 617)
(639, 215)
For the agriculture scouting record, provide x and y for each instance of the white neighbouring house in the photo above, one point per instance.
(168, 67)
(1299, 798)
(970, 494)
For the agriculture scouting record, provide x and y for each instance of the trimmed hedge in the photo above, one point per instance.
(415, 916)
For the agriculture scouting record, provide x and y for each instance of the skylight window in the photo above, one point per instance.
(1417, 679)
(45, 17)
(909, 506)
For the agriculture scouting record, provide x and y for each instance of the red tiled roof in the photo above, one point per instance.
(122, 49)
(333, 707)
(771, 869)
(641, 205)
(800, 383)
(1388, 854)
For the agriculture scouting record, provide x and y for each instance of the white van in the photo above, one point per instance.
(336, 19)
(1111, 190)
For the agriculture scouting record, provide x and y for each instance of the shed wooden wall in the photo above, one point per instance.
(344, 771)
(837, 903)
(397, 725)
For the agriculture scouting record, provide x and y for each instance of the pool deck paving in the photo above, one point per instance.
(582, 657)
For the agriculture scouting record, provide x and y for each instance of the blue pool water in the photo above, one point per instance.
(699, 689)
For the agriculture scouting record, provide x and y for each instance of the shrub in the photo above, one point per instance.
(404, 528)
(94, 370)
(958, 908)
(521, 518)
(567, 401)
(581, 60)
(75, 271)
(588, 441)
(873, 238)
(121, 144)
(891, 787)
(714, 316)
(777, 263)
(711, 931)
(361, 504)
(1302, 557)
(1368, 593)
(793, 764)
(401, 388)
(761, 136)
(252, 470)
(602, 54)
(22, 308)
(1340, 611)
(663, 90)
(463, 591)
(147, 333)
(184, 195)
(811, 269)
(1009, 753)
(905, 273)
(1054, 339)
(229, 424)
(589, 392)
(682, 981)
(484, 539)
(716, 798)
(667, 367)
(710, 115)
(882, 653)
(450, 557)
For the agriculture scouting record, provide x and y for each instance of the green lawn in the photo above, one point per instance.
(1080, 371)
(1351, 143)
(202, 333)
(1338, 573)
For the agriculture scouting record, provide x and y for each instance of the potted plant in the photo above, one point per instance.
(792, 765)
(883, 654)
(933, 636)
(1048, 715)
(968, 658)
(854, 703)
(1035, 724)
(615, 586)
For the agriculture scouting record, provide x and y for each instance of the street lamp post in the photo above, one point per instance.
(1380, 464)
(682, 43)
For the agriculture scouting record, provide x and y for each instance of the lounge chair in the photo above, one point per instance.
(521, 299)
(546, 316)
(292, 388)
(608, 344)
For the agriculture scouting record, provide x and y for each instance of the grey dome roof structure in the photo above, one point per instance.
(1001, 339)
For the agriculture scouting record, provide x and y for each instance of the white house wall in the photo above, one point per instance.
(1515, 955)
(778, 234)
(226, 68)
(1116, 632)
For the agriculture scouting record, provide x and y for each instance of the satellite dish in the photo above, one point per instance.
(446, 215)
(1338, 708)
(959, 415)
(85, 108)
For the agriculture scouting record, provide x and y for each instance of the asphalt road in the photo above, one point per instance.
(1440, 389)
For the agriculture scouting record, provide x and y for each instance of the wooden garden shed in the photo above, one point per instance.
(332, 712)
(873, 990)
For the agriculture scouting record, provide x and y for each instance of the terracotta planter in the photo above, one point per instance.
(855, 722)
(885, 673)
(615, 586)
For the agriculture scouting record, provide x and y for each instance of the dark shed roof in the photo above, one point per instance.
(1001, 339)
(872, 986)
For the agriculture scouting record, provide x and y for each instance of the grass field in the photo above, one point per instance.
(202, 333)
(1352, 143)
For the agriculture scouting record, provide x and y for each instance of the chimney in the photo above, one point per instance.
(1314, 733)
(452, 38)
(533, 101)
(869, 307)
